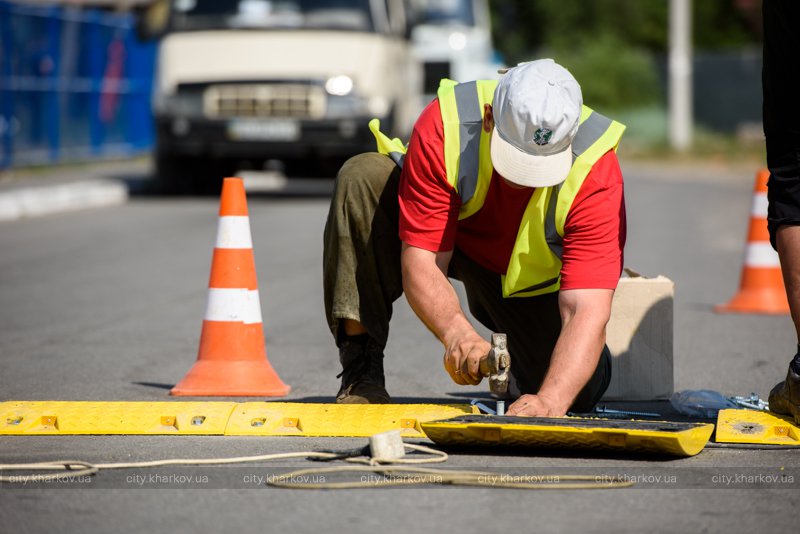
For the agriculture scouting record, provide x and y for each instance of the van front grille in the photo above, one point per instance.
(301, 101)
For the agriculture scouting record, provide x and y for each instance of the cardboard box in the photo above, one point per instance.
(639, 336)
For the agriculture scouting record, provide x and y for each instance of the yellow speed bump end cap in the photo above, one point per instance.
(750, 426)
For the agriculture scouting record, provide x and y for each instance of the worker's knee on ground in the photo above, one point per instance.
(368, 171)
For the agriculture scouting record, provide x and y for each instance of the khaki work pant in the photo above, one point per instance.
(362, 279)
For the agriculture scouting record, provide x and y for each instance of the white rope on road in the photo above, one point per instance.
(394, 471)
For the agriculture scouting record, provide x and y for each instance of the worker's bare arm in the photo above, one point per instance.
(584, 315)
(435, 302)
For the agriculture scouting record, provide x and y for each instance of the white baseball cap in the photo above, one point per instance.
(537, 110)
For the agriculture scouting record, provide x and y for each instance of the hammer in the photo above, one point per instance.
(496, 364)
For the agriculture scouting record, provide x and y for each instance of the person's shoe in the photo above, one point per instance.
(362, 376)
(785, 396)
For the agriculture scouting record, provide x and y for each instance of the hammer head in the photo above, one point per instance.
(496, 364)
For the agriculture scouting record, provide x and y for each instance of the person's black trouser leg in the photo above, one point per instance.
(362, 278)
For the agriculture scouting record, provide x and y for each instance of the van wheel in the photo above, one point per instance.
(173, 173)
(207, 175)
(187, 175)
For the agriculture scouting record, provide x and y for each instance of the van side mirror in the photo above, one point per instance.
(397, 12)
(152, 20)
(412, 18)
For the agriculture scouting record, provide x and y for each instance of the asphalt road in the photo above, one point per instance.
(107, 304)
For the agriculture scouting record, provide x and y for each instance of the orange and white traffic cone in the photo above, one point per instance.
(761, 289)
(232, 359)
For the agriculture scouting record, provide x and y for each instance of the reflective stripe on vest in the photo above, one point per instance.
(535, 264)
(465, 142)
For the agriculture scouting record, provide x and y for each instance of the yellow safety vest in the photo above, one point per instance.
(535, 264)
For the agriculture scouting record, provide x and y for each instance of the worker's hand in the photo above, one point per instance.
(463, 355)
(535, 406)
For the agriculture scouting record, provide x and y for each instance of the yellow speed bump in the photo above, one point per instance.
(659, 437)
(336, 420)
(750, 426)
(66, 417)
(219, 418)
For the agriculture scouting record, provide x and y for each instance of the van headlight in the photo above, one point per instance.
(457, 41)
(189, 104)
(339, 85)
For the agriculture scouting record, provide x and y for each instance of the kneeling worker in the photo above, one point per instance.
(512, 187)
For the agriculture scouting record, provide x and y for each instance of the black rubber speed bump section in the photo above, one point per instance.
(656, 437)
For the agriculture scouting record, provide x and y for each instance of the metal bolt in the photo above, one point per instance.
(198, 420)
(752, 402)
(14, 421)
(482, 407)
(501, 407)
(603, 409)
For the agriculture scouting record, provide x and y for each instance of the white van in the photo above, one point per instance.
(286, 82)
(452, 39)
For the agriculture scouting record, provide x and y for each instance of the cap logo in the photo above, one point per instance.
(542, 136)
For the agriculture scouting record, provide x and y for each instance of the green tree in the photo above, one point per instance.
(520, 27)
(615, 43)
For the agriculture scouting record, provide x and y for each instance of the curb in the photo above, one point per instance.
(39, 201)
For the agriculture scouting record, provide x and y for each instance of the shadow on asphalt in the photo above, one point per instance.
(395, 400)
(154, 385)
(662, 407)
(146, 185)
(561, 453)
(317, 399)
(321, 399)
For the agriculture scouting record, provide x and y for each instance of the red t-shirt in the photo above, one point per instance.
(594, 232)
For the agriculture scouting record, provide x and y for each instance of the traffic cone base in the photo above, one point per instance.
(762, 292)
(761, 289)
(222, 378)
(232, 357)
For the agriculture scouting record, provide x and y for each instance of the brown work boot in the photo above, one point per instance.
(785, 396)
(362, 376)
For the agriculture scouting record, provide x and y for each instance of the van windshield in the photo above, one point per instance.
(190, 15)
(444, 12)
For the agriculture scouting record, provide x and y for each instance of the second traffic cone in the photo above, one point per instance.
(232, 359)
(761, 289)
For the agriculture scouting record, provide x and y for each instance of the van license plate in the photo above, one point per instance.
(264, 130)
